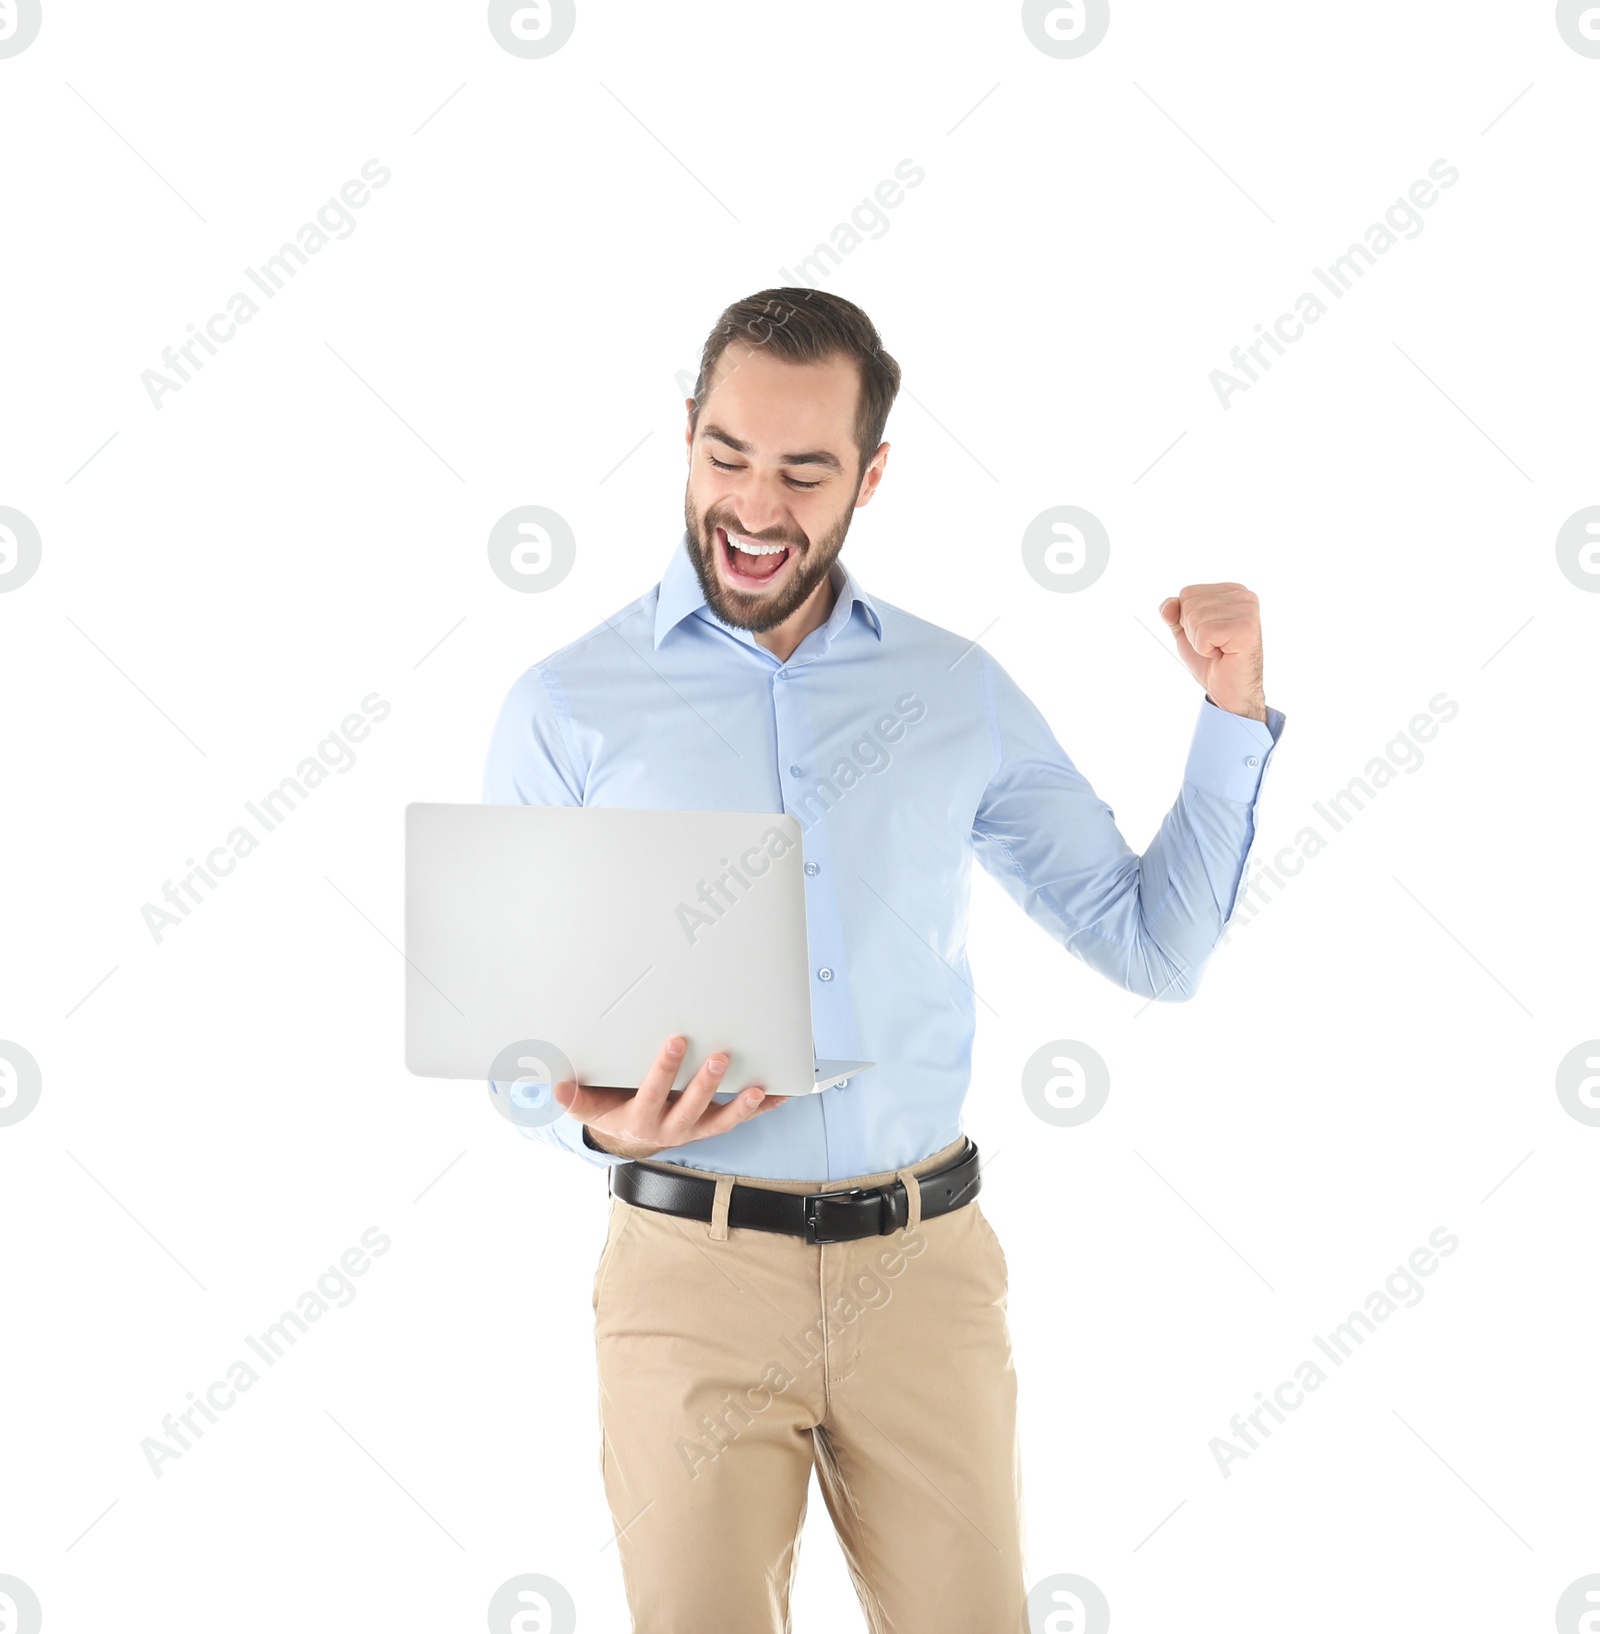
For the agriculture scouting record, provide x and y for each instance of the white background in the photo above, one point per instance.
(228, 576)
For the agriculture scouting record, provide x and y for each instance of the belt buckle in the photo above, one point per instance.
(853, 1198)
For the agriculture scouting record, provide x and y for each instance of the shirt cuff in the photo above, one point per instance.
(571, 1134)
(535, 1123)
(568, 1134)
(1230, 753)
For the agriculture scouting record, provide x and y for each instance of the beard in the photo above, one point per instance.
(745, 610)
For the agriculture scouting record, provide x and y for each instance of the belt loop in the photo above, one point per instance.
(913, 1198)
(719, 1208)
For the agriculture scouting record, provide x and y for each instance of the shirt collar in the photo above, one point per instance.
(679, 595)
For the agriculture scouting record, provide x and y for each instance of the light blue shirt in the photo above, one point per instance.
(902, 750)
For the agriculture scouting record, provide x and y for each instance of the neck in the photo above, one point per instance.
(782, 639)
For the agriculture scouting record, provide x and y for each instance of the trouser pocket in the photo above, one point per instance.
(615, 1226)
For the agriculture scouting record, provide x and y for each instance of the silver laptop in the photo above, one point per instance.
(552, 942)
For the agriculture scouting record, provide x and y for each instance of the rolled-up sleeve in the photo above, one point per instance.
(531, 763)
(1149, 922)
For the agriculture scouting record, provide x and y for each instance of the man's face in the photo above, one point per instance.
(773, 482)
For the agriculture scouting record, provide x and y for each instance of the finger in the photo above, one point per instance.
(1199, 636)
(697, 1093)
(1227, 602)
(1179, 634)
(745, 1105)
(658, 1079)
(1223, 632)
(1171, 610)
(1206, 624)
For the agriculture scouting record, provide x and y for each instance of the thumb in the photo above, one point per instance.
(1172, 613)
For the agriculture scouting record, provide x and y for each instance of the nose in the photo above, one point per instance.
(759, 504)
(754, 512)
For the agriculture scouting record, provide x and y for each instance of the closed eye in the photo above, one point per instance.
(792, 481)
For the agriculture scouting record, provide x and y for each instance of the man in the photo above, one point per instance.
(750, 1324)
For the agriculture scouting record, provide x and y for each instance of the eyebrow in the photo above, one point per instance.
(816, 456)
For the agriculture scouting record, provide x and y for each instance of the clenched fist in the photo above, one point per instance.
(1217, 628)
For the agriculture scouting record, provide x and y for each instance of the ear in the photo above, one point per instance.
(688, 427)
(873, 475)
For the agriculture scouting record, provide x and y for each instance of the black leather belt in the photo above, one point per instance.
(819, 1216)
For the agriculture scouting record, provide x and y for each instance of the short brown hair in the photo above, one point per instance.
(807, 326)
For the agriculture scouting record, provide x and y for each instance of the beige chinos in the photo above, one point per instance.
(731, 1361)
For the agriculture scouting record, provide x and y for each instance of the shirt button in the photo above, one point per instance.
(1252, 761)
(812, 868)
(794, 771)
(825, 974)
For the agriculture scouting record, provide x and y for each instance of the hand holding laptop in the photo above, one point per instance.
(649, 1120)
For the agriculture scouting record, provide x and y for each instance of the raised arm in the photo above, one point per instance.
(1149, 922)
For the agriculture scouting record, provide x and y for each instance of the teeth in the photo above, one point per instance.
(751, 548)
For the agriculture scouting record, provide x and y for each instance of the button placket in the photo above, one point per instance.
(800, 764)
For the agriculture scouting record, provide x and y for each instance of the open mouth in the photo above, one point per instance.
(748, 563)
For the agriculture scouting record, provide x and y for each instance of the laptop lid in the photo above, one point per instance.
(582, 937)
